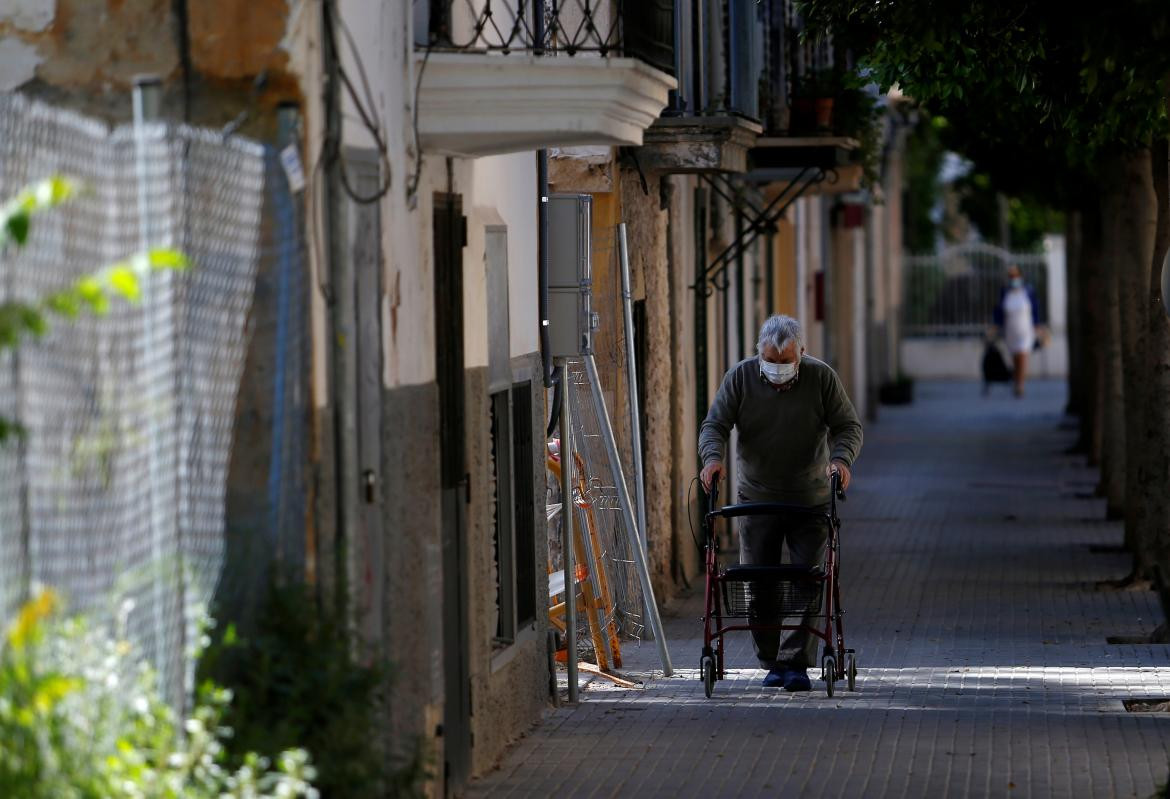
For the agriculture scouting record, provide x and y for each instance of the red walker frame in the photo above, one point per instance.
(711, 666)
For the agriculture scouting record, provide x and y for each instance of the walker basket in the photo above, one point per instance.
(771, 591)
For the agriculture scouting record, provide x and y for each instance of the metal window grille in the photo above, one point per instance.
(525, 503)
(515, 523)
(567, 27)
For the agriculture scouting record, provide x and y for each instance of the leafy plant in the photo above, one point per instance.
(858, 114)
(81, 717)
(93, 293)
(295, 683)
(828, 82)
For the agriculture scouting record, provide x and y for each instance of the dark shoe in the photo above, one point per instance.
(797, 680)
(776, 678)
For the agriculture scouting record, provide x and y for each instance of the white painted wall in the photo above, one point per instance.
(502, 190)
(1054, 256)
(962, 358)
(495, 190)
(858, 321)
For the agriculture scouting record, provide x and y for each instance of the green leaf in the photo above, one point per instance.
(15, 214)
(168, 259)
(125, 282)
(64, 303)
(16, 226)
(90, 292)
(9, 429)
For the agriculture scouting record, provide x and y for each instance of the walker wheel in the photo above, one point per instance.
(829, 667)
(707, 674)
(851, 670)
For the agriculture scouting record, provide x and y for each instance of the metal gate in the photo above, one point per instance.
(954, 293)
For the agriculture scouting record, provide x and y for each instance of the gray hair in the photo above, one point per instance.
(779, 331)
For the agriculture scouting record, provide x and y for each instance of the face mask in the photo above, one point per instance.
(777, 373)
(1017, 282)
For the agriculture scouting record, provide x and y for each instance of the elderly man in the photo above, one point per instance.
(796, 427)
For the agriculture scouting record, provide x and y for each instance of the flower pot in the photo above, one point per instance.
(823, 111)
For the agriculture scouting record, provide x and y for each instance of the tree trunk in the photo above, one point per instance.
(1075, 323)
(1156, 472)
(1113, 427)
(1093, 335)
(1137, 223)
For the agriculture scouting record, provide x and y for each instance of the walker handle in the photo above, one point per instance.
(835, 480)
(713, 496)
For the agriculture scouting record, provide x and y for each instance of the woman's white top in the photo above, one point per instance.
(1019, 329)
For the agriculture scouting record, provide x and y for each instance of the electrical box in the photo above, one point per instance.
(571, 319)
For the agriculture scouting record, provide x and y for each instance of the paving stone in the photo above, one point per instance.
(984, 670)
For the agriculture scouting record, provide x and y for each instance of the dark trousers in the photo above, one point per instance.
(761, 543)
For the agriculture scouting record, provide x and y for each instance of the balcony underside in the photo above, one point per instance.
(774, 157)
(698, 145)
(473, 104)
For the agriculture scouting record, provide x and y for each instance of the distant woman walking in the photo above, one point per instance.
(1017, 316)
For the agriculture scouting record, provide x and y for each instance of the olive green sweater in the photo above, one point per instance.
(786, 437)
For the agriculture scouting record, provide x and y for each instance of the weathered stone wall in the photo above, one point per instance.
(84, 54)
(680, 272)
(645, 215)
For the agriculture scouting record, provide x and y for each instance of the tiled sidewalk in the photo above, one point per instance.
(984, 670)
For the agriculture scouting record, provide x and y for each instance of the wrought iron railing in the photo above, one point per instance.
(541, 27)
(748, 59)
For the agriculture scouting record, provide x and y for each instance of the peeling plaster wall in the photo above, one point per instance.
(85, 54)
(646, 221)
(681, 269)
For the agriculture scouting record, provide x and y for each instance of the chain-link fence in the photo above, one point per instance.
(117, 491)
(604, 557)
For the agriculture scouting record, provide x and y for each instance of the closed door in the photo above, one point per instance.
(449, 228)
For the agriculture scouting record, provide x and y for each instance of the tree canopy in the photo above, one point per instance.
(1035, 92)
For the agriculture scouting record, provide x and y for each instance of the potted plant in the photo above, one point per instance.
(858, 115)
(813, 100)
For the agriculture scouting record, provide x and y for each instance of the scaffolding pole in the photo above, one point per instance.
(632, 381)
(567, 513)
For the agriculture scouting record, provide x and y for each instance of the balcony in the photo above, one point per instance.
(713, 118)
(747, 100)
(500, 77)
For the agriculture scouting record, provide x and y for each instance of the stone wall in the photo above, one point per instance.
(645, 215)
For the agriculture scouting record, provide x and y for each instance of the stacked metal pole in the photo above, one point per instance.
(567, 509)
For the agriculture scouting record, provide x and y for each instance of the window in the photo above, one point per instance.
(514, 538)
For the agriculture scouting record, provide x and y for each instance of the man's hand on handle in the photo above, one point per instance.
(711, 472)
(840, 468)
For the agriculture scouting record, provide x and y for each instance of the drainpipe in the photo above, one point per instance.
(342, 313)
(538, 33)
(542, 263)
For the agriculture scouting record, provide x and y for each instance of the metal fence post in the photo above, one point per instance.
(632, 380)
(567, 509)
(147, 101)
